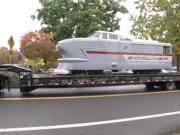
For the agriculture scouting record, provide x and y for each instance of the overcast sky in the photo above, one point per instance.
(16, 19)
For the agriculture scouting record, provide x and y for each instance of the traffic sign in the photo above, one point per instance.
(11, 42)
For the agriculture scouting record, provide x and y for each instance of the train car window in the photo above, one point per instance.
(104, 36)
(167, 49)
(113, 36)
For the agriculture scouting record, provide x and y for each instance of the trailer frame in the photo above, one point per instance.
(30, 81)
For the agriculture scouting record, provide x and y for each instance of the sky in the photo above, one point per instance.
(16, 20)
(125, 24)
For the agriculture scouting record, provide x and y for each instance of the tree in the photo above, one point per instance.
(158, 20)
(70, 18)
(5, 55)
(37, 45)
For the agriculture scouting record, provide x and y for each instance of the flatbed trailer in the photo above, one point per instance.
(29, 81)
(165, 81)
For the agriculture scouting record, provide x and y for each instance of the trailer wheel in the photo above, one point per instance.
(169, 85)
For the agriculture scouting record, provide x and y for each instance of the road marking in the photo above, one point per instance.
(88, 124)
(86, 97)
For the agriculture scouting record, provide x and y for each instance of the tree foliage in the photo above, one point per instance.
(37, 45)
(158, 20)
(70, 18)
(5, 56)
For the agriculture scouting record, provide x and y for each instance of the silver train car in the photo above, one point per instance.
(107, 51)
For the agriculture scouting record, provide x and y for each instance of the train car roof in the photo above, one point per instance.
(138, 42)
(144, 42)
(120, 38)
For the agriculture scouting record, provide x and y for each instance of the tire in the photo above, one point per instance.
(169, 85)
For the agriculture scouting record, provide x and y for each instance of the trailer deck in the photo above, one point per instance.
(29, 81)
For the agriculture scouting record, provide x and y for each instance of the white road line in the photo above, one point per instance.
(77, 125)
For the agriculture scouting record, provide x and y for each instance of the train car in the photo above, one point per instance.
(108, 51)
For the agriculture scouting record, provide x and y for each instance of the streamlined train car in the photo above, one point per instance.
(107, 51)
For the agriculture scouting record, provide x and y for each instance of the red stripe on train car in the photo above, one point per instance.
(127, 53)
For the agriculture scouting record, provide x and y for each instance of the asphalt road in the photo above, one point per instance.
(119, 110)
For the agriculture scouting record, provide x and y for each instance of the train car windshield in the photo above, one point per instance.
(94, 35)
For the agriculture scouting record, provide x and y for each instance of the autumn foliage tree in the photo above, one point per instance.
(38, 46)
(4, 55)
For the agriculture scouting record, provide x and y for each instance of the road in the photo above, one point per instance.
(118, 110)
